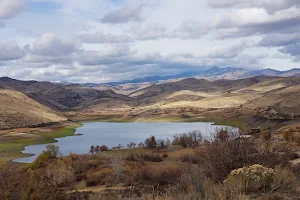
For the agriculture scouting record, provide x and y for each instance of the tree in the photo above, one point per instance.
(151, 142)
(161, 144)
(97, 149)
(103, 148)
(140, 145)
(131, 145)
(92, 149)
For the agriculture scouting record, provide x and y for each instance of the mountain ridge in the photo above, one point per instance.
(213, 73)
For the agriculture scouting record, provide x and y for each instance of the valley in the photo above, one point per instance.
(34, 114)
(252, 101)
(265, 101)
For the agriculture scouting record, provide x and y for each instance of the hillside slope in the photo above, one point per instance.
(18, 110)
(57, 96)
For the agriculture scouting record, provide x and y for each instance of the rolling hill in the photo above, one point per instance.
(60, 97)
(18, 110)
(214, 73)
(267, 97)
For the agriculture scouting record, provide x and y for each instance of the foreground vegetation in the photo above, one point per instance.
(188, 167)
(11, 149)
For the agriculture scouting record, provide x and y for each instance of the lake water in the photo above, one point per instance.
(112, 134)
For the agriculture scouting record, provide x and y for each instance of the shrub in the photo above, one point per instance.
(53, 150)
(266, 135)
(117, 167)
(18, 184)
(251, 179)
(101, 177)
(191, 139)
(144, 157)
(211, 190)
(60, 173)
(188, 158)
(284, 180)
(191, 178)
(165, 155)
(161, 176)
(222, 135)
(219, 158)
(41, 160)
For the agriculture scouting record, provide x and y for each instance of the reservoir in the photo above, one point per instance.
(113, 134)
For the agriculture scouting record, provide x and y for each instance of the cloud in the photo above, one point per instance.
(269, 5)
(293, 50)
(2, 25)
(10, 51)
(54, 46)
(10, 8)
(103, 38)
(190, 29)
(150, 32)
(124, 15)
(253, 21)
(227, 51)
(276, 40)
(110, 54)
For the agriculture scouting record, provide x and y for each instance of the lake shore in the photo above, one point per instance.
(11, 148)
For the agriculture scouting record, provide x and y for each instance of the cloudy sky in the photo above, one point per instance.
(113, 40)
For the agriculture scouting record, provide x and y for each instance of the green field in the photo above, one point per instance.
(10, 150)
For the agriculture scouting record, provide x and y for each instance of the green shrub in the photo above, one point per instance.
(253, 178)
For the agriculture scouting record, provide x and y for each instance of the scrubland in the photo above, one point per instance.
(224, 166)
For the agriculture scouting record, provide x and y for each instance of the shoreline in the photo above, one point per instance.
(12, 149)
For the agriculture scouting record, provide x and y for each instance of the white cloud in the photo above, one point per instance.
(136, 38)
(100, 37)
(125, 14)
(150, 32)
(269, 5)
(52, 45)
(10, 8)
(250, 21)
(190, 29)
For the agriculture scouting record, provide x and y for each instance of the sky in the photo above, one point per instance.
(113, 40)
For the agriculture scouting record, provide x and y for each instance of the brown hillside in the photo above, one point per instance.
(18, 110)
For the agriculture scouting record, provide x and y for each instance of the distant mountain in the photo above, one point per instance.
(146, 79)
(214, 73)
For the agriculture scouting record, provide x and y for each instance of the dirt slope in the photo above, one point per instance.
(18, 110)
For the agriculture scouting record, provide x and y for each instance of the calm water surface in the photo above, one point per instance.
(112, 134)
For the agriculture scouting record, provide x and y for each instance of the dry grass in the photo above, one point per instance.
(18, 110)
